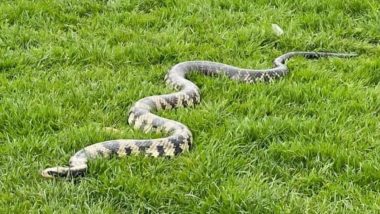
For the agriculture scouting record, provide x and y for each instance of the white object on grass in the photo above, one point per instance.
(277, 30)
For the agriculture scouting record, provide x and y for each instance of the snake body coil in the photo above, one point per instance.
(180, 137)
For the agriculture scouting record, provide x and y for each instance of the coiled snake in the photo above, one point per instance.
(180, 137)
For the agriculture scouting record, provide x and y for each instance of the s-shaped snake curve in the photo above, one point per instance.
(180, 139)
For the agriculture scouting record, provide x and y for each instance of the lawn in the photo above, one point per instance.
(309, 143)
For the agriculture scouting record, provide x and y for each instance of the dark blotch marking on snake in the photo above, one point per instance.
(100, 153)
(156, 123)
(160, 150)
(128, 150)
(176, 144)
(112, 146)
(143, 124)
(143, 146)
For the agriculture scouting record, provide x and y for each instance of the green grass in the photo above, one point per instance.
(307, 143)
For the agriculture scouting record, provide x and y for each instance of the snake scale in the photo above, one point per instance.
(141, 114)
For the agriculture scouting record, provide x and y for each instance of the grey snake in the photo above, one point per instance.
(180, 139)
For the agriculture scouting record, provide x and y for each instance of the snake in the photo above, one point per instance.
(179, 137)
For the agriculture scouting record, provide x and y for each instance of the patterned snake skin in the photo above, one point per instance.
(180, 137)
